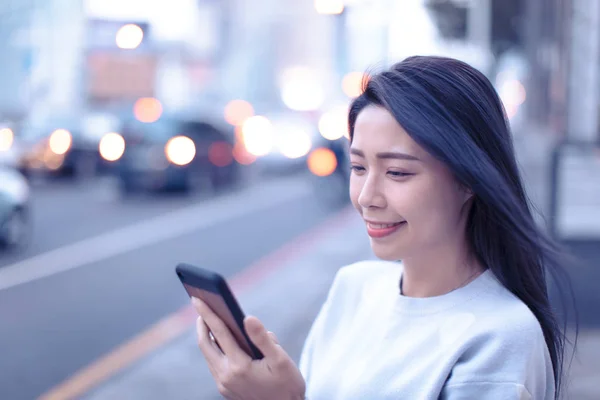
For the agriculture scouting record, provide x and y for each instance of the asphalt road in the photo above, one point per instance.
(115, 287)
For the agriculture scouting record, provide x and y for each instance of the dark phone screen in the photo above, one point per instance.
(218, 305)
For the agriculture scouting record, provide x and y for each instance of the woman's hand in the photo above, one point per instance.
(237, 375)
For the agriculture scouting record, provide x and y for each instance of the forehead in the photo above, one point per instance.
(376, 130)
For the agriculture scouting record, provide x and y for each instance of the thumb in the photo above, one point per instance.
(261, 338)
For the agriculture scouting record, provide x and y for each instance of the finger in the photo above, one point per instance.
(209, 348)
(261, 338)
(220, 331)
(273, 337)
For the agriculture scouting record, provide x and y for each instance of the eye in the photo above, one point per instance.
(398, 174)
(357, 169)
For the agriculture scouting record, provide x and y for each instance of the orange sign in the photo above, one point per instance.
(120, 76)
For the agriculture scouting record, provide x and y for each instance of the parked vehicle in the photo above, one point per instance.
(173, 154)
(15, 223)
(58, 147)
(10, 146)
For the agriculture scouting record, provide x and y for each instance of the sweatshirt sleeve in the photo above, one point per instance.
(509, 362)
(486, 391)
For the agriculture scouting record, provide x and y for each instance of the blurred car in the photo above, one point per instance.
(10, 146)
(172, 154)
(58, 147)
(15, 224)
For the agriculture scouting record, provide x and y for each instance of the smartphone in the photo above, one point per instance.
(212, 289)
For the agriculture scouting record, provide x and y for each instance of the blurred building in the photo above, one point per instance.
(582, 51)
(174, 58)
(41, 70)
(272, 45)
(559, 41)
(17, 57)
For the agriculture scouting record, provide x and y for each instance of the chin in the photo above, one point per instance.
(387, 252)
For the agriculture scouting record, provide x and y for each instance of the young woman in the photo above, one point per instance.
(465, 314)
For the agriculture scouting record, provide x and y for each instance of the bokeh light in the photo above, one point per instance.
(322, 162)
(333, 124)
(129, 37)
(147, 109)
(220, 154)
(180, 150)
(6, 139)
(238, 111)
(352, 84)
(112, 146)
(258, 135)
(329, 7)
(301, 89)
(60, 141)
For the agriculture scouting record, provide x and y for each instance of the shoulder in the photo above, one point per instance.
(507, 344)
(508, 318)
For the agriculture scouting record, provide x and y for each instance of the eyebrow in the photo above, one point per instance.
(388, 155)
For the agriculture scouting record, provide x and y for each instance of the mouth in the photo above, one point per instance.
(373, 225)
(379, 230)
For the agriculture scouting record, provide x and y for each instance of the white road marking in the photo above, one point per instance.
(151, 231)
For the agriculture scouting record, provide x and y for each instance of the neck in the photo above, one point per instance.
(437, 272)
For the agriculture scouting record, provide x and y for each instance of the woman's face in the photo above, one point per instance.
(410, 201)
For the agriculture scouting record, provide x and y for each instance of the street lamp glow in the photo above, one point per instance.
(258, 135)
(6, 139)
(294, 142)
(129, 37)
(322, 162)
(352, 84)
(329, 7)
(301, 89)
(333, 125)
(238, 111)
(147, 109)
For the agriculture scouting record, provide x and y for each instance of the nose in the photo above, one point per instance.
(371, 195)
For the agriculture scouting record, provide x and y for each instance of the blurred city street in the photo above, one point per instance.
(139, 134)
(285, 290)
(120, 257)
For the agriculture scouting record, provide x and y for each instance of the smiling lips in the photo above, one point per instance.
(376, 230)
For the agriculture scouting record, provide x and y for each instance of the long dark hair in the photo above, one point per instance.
(452, 110)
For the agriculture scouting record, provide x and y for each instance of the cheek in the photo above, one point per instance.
(428, 207)
(411, 201)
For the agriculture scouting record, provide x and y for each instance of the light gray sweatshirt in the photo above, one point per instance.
(370, 342)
